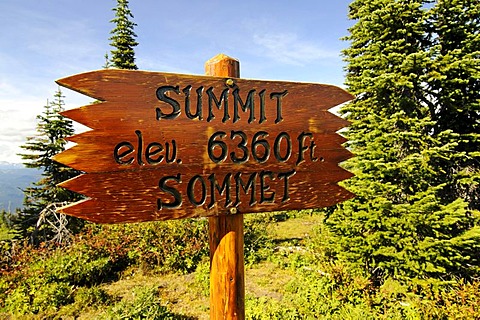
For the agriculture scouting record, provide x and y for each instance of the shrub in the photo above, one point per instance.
(33, 297)
(168, 246)
(257, 239)
(202, 277)
(146, 305)
(93, 296)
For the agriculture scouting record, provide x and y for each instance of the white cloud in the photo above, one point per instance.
(17, 123)
(288, 48)
(38, 50)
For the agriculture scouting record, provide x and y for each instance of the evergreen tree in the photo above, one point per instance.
(5, 225)
(52, 129)
(455, 88)
(107, 64)
(123, 37)
(405, 221)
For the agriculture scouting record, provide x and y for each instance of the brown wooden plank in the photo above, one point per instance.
(130, 184)
(124, 116)
(122, 211)
(137, 139)
(132, 177)
(133, 86)
(193, 150)
(102, 212)
(136, 193)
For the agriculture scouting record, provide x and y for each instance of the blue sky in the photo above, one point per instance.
(41, 41)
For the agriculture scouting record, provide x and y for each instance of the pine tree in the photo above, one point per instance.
(123, 37)
(107, 64)
(454, 88)
(404, 222)
(455, 85)
(52, 129)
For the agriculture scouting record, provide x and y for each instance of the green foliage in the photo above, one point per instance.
(454, 82)
(48, 280)
(170, 246)
(47, 284)
(32, 298)
(325, 288)
(66, 282)
(52, 129)
(6, 232)
(415, 133)
(257, 237)
(123, 38)
(43, 280)
(265, 308)
(145, 305)
(202, 277)
(92, 296)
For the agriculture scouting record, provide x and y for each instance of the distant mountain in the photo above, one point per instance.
(13, 178)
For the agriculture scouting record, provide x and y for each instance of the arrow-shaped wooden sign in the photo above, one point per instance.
(168, 146)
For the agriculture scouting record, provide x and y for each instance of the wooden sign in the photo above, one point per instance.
(168, 146)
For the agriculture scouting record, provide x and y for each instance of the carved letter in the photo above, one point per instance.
(286, 176)
(188, 112)
(224, 188)
(213, 99)
(161, 95)
(177, 196)
(153, 149)
(263, 117)
(119, 156)
(265, 187)
(191, 189)
(279, 96)
(249, 186)
(302, 147)
(249, 104)
(139, 147)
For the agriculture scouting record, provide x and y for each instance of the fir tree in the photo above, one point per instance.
(123, 37)
(107, 64)
(405, 222)
(52, 129)
(455, 90)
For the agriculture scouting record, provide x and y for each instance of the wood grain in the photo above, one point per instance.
(169, 146)
(133, 145)
(136, 193)
(227, 270)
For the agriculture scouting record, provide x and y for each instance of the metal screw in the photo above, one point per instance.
(233, 211)
(230, 82)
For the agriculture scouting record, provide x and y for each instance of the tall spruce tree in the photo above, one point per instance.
(405, 221)
(455, 90)
(52, 129)
(123, 37)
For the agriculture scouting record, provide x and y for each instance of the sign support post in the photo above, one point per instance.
(169, 146)
(227, 270)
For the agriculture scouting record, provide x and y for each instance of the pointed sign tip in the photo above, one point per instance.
(85, 83)
(67, 82)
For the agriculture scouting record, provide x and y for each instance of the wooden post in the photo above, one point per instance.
(303, 151)
(227, 271)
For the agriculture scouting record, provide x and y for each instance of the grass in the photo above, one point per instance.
(188, 295)
(267, 279)
(5, 233)
(180, 293)
(286, 278)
